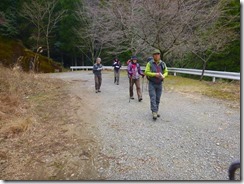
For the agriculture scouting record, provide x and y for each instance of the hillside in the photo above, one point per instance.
(13, 52)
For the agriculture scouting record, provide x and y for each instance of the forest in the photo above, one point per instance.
(201, 34)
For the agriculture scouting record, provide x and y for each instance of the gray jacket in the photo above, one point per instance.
(97, 68)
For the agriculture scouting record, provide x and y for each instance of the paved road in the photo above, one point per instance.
(196, 137)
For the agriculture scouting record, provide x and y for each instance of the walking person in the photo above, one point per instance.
(97, 68)
(156, 70)
(134, 72)
(117, 66)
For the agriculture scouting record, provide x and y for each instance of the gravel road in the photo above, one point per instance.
(196, 137)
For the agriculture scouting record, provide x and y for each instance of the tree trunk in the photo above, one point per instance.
(38, 36)
(48, 49)
(203, 69)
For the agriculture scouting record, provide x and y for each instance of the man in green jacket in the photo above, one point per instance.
(156, 70)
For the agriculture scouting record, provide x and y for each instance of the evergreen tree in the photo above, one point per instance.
(9, 18)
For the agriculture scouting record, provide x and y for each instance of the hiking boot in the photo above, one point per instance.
(154, 115)
(140, 99)
(158, 115)
(132, 97)
(96, 91)
(99, 91)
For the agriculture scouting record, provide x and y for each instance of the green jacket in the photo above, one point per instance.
(152, 74)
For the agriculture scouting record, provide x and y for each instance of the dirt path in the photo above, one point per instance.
(195, 138)
(89, 136)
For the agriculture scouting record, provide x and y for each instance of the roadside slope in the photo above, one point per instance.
(48, 135)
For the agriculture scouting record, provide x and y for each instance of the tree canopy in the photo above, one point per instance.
(200, 34)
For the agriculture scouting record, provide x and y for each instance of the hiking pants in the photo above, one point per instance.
(98, 81)
(155, 91)
(116, 76)
(138, 89)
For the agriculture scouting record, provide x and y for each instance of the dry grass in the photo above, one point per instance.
(223, 90)
(15, 127)
(16, 88)
(38, 135)
(28, 108)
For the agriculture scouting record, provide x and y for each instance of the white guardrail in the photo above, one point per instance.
(208, 73)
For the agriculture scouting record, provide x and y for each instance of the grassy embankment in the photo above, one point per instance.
(13, 51)
(28, 110)
(19, 93)
(220, 89)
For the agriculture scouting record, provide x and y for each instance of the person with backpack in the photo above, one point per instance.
(117, 66)
(156, 70)
(134, 72)
(97, 68)
(127, 63)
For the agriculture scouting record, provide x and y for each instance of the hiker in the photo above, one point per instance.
(134, 70)
(127, 63)
(97, 68)
(156, 70)
(117, 66)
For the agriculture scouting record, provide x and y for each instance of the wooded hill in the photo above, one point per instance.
(14, 54)
(198, 34)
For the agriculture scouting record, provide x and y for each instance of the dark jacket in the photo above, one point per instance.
(152, 68)
(116, 65)
(97, 68)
